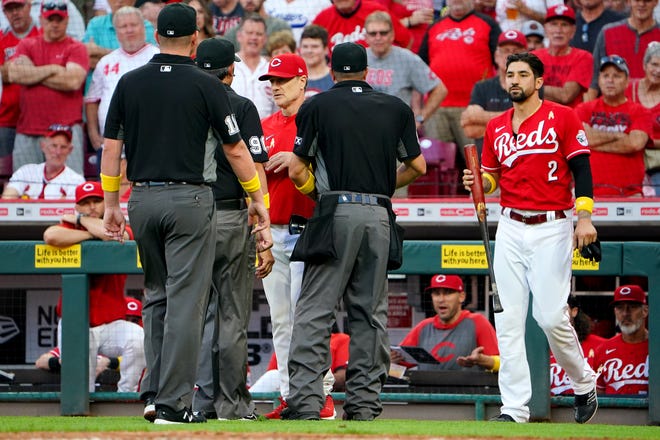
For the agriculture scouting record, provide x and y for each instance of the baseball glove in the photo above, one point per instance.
(592, 251)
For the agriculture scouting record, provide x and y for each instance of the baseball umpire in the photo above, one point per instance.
(353, 136)
(535, 151)
(224, 343)
(162, 113)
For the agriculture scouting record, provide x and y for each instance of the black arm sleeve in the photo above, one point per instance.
(581, 170)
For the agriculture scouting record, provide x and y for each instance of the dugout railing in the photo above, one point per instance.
(420, 258)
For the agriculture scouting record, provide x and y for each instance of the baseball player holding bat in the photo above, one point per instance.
(534, 152)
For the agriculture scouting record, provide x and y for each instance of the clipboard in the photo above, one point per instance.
(415, 355)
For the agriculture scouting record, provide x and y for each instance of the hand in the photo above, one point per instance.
(395, 357)
(468, 179)
(258, 218)
(279, 161)
(69, 218)
(102, 364)
(114, 223)
(265, 261)
(471, 115)
(421, 16)
(585, 233)
(471, 360)
(96, 139)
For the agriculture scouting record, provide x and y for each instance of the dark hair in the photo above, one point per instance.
(316, 32)
(582, 324)
(222, 73)
(532, 61)
(208, 29)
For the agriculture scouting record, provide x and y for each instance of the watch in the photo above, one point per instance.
(78, 217)
(419, 118)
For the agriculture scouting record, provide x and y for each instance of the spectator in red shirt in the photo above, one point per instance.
(618, 131)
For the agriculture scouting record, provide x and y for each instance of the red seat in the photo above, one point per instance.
(441, 177)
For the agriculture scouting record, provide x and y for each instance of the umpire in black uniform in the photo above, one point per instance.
(221, 390)
(162, 113)
(353, 136)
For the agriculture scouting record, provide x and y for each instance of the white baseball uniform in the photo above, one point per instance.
(30, 182)
(535, 179)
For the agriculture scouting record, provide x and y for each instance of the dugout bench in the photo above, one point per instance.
(420, 257)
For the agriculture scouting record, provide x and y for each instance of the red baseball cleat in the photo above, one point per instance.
(328, 411)
(276, 413)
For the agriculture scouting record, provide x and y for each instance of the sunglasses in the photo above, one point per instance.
(60, 127)
(54, 7)
(615, 59)
(381, 33)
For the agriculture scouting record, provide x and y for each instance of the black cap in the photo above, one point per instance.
(215, 53)
(176, 20)
(349, 57)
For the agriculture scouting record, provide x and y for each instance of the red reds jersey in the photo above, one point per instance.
(106, 293)
(9, 104)
(533, 163)
(350, 28)
(559, 381)
(285, 199)
(43, 106)
(576, 66)
(446, 342)
(622, 368)
(616, 173)
(461, 54)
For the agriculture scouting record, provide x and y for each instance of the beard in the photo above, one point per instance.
(518, 96)
(629, 329)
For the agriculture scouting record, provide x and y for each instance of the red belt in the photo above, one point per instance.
(536, 218)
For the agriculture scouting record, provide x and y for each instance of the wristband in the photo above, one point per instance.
(584, 204)
(110, 183)
(491, 180)
(496, 365)
(267, 200)
(252, 185)
(308, 186)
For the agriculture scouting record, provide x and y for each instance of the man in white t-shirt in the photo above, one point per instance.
(51, 179)
(298, 13)
(133, 52)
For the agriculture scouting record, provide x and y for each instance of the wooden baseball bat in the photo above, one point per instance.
(472, 159)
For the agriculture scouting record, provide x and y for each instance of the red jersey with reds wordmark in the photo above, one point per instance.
(576, 66)
(622, 368)
(559, 381)
(533, 163)
(616, 174)
(285, 199)
(106, 293)
(9, 104)
(350, 28)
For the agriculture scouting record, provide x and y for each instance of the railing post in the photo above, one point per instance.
(75, 346)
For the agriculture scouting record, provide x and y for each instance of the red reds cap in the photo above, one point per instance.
(512, 36)
(54, 7)
(56, 129)
(560, 11)
(88, 189)
(629, 293)
(133, 307)
(13, 2)
(453, 282)
(287, 65)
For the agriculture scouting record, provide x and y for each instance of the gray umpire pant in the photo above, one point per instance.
(359, 276)
(222, 372)
(174, 227)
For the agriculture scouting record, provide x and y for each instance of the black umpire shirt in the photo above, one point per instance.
(356, 135)
(163, 111)
(227, 186)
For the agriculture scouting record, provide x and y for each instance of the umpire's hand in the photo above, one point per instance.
(260, 221)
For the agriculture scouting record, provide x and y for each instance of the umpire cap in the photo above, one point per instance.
(176, 20)
(215, 53)
(349, 57)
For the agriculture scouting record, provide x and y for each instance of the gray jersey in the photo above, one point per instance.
(399, 73)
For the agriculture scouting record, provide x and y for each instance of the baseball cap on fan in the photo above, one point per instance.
(176, 20)
(89, 189)
(13, 2)
(451, 282)
(287, 65)
(52, 7)
(215, 54)
(629, 293)
(56, 129)
(349, 57)
(512, 36)
(616, 61)
(532, 27)
(560, 12)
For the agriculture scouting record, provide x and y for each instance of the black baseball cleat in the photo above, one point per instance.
(502, 418)
(586, 406)
(149, 409)
(167, 416)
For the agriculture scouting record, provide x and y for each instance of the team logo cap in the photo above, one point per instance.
(89, 189)
(176, 20)
(629, 293)
(349, 57)
(512, 36)
(562, 12)
(452, 282)
(287, 65)
(532, 27)
(216, 53)
(616, 61)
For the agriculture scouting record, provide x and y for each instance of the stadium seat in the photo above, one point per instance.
(441, 177)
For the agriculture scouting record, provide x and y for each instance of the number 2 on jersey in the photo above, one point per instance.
(552, 165)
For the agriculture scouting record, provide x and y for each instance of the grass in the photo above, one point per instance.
(377, 428)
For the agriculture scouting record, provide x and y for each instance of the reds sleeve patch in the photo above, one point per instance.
(581, 137)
